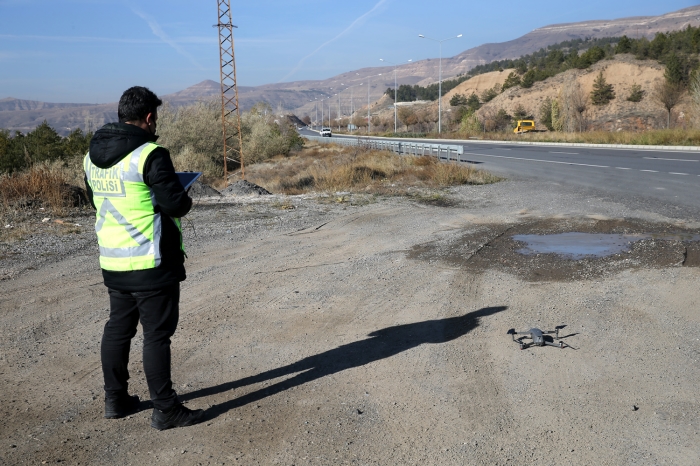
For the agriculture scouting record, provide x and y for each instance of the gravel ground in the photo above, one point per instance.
(356, 329)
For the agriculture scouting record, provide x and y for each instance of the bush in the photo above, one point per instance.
(546, 114)
(457, 100)
(511, 81)
(43, 185)
(636, 93)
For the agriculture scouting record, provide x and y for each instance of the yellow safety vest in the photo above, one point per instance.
(128, 227)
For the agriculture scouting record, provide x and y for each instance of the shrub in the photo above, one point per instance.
(511, 81)
(42, 184)
(457, 100)
(636, 93)
(546, 114)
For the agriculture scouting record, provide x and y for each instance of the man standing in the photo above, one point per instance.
(131, 183)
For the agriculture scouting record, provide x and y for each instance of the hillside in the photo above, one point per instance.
(622, 72)
(302, 97)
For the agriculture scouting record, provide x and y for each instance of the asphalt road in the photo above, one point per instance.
(667, 176)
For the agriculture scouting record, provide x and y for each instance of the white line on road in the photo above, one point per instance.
(538, 160)
(673, 173)
(623, 168)
(675, 160)
(570, 153)
(650, 171)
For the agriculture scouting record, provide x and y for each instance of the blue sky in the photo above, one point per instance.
(91, 50)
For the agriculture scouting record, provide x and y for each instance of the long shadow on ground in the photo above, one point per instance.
(383, 344)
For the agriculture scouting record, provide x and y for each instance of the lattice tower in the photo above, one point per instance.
(230, 112)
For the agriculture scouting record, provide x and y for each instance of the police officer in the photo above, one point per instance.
(131, 183)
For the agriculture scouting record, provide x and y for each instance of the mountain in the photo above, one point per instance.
(302, 97)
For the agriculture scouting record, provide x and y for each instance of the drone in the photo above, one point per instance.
(538, 337)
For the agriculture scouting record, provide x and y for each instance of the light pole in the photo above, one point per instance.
(395, 89)
(352, 103)
(339, 115)
(440, 77)
(369, 122)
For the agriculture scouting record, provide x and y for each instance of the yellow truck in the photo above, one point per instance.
(524, 126)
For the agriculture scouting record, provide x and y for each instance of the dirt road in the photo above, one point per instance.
(355, 330)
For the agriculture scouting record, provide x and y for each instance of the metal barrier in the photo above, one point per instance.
(449, 152)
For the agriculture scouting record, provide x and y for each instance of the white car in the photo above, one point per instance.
(325, 131)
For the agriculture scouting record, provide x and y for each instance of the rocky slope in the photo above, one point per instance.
(303, 97)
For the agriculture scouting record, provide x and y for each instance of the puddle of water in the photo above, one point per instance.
(579, 245)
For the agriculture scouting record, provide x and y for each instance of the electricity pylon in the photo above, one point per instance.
(230, 113)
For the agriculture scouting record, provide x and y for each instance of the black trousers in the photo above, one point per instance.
(158, 311)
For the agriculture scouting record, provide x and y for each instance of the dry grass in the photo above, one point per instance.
(43, 186)
(659, 137)
(331, 168)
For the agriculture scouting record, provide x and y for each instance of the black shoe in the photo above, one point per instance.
(177, 416)
(121, 406)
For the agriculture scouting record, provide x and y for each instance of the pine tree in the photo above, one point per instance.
(511, 81)
(636, 93)
(602, 92)
(674, 70)
(624, 46)
(457, 100)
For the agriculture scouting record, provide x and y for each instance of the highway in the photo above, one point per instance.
(671, 177)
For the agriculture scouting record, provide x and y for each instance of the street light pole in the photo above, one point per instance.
(439, 77)
(339, 116)
(369, 123)
(395, 90)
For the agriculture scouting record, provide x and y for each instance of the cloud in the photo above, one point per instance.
(345, 31)
(158, 32)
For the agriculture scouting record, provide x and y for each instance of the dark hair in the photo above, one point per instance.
(137, 102)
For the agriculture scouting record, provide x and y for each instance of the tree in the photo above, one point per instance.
(602, 92)
(406, 93)
(669, 95)
(674, 70)
(694, 91)
(636, 93)
(43, 143)
(546, 113)
(624, 45)
(579, 104)
(511, 81)
(529, 79)
(489, 94)
(557, 121)
(520, 113)
(591, 56)
(76, 143)
(473, 103)
(457, 100)
(306, 119)
(407, 116)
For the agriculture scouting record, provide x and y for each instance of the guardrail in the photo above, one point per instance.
(448, 152)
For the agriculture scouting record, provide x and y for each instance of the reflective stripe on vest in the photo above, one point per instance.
(127, 226)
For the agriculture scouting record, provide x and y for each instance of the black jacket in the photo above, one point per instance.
(108, 146)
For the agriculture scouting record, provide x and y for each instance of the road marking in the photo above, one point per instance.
(623, 168)
(538, 160)
(570, 153)
(673, 173)
(650, 171)
(675, 160)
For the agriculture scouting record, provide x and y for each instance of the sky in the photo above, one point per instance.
(90, 51)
